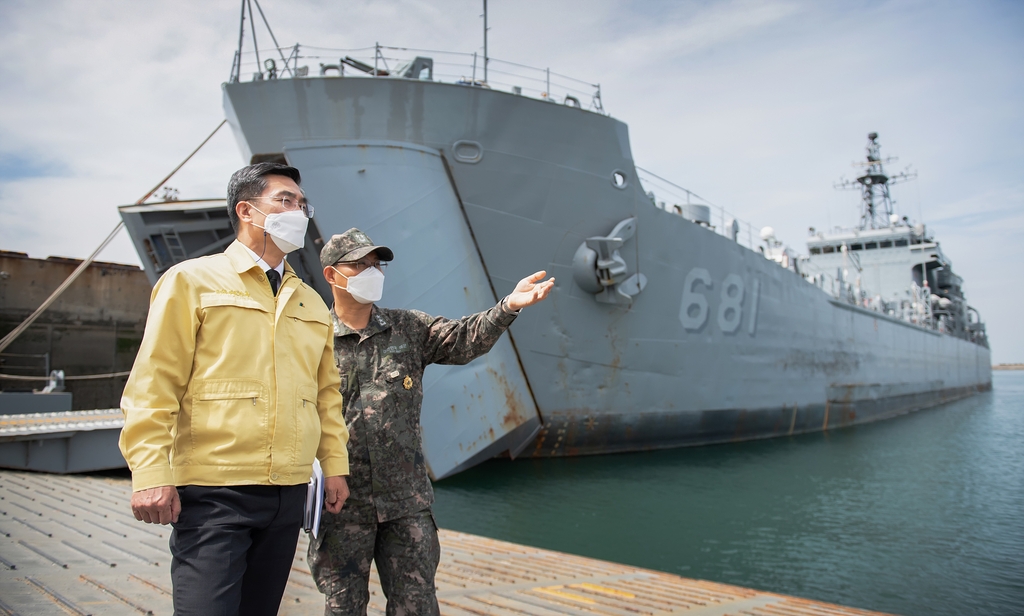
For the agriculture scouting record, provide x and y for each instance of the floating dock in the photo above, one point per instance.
(70, 545)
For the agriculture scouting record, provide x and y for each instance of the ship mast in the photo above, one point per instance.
(876, 203)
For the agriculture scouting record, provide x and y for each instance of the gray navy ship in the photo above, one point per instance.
(672, 323)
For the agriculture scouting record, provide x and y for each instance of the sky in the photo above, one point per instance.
(760, 107)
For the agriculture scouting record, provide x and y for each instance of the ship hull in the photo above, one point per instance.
(473, 189)
(587, 432)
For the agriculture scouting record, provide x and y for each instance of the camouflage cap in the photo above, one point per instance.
(352, 245)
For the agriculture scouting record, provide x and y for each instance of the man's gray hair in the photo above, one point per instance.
(250, 182)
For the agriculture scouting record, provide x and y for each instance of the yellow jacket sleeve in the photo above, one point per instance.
(333, 449)
(158, 380)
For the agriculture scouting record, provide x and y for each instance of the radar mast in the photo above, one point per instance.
(876, 203)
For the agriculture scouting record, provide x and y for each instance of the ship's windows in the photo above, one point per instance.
(828, 249)
(870, 245)
(900, 243)
(885, 244)
(856, 246)
(815, 251)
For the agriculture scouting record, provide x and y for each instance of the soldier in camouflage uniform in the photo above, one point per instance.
(381, 354)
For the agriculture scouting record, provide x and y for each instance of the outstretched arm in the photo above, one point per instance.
(463, 340)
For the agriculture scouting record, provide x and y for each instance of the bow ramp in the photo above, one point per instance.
(401, 193)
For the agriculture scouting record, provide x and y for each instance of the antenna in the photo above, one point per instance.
(270, 65)
(486, 59)
(255, 45)
(236, 70)
(876, 203)
(272, 37)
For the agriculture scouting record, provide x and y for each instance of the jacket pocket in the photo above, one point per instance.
(230, 422)
(307, 425)
(307, 331)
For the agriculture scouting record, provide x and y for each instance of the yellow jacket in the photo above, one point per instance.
(233, 386)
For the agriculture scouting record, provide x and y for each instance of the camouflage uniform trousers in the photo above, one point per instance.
(406, 550)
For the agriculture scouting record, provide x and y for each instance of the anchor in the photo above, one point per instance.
(598, 268)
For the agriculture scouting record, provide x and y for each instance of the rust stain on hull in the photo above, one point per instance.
(515, 415)
(585, 431)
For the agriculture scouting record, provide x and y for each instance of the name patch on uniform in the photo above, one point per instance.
(397, 348)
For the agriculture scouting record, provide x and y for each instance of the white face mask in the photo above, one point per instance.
(287, 229)
(366, 287)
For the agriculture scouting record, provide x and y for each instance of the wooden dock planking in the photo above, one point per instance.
(77, 549)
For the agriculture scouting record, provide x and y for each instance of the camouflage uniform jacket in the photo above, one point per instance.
(381, 368)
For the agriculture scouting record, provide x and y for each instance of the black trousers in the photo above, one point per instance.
(232, 548)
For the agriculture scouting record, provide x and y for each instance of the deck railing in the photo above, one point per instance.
(448, 67)
(673, 199)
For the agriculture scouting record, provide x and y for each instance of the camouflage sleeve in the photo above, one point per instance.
(460, 341)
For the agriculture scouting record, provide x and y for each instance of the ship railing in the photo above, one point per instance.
(838, 288)
(917, 308)
(461, 68)
(675, 200)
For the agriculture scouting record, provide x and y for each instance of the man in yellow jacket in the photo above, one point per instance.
(233, 393)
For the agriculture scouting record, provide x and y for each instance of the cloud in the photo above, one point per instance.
(758, 106)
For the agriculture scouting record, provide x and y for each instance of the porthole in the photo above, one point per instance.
(619, 179)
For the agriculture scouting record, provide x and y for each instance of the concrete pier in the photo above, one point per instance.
(69, 545)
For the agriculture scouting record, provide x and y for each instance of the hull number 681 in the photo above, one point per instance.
(694, 309)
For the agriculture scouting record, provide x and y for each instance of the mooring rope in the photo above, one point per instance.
(17, 331)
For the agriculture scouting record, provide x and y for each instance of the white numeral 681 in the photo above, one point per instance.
(694, 309)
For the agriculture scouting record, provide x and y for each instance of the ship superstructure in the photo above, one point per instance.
(889, 264)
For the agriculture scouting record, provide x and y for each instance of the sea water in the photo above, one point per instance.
(920, 514)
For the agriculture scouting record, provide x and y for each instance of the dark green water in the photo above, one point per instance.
(923, 514)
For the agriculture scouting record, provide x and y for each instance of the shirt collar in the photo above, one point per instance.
(378, 323)
(263, 264)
